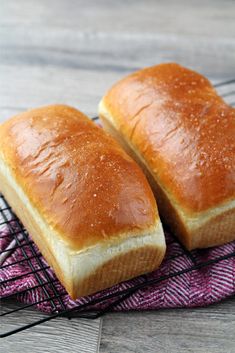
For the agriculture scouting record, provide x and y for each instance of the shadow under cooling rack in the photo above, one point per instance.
(48, 284)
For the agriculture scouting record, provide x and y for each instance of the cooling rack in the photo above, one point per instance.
(31, 256)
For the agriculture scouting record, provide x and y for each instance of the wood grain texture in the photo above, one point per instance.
(71, 52)
(201, 18)
(58, 335)
(207, 330)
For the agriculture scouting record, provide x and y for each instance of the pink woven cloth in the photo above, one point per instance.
(195, 288)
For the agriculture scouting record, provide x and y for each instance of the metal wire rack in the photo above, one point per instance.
(33, 258)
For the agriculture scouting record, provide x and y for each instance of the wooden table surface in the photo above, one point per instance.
(70, 52)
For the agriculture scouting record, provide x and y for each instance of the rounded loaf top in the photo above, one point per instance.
(76, 176)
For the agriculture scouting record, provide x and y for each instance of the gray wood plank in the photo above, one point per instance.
(80, 77)
(201, 330)
(211, 18)
(45, 60)
(59, 335)
(122, 52)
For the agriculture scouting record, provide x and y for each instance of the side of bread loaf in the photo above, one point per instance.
(86, 204)
(171, 120)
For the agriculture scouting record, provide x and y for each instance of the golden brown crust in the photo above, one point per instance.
(184, 131)
(121, 267)
(166, 209)
(33, 228)
(217, 230)
(79, 179)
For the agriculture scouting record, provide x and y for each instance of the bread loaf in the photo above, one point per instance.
(84, 201)
(172, 121)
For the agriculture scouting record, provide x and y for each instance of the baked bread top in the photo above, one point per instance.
(77, 177)
(183, 130)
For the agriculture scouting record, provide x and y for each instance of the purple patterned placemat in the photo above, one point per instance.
(195, 288)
